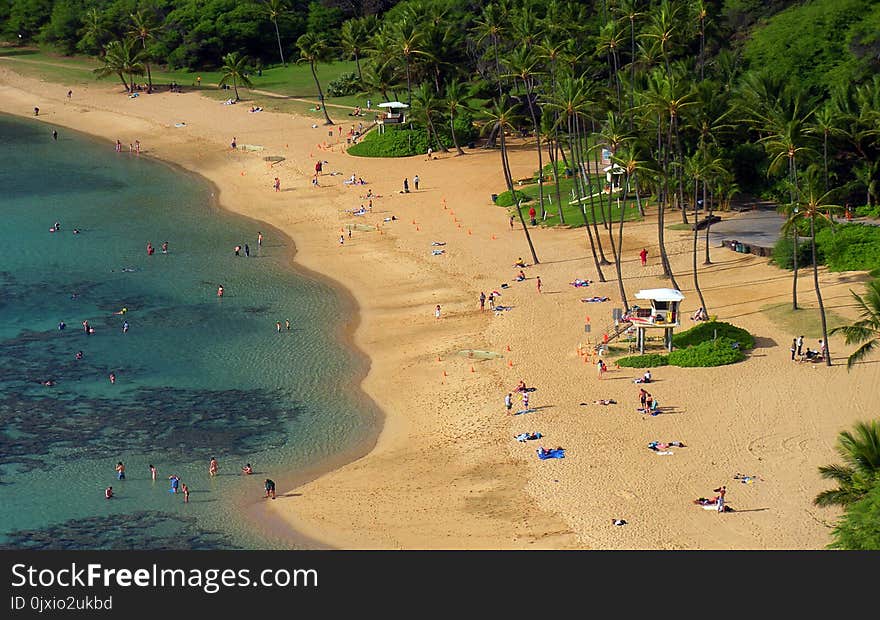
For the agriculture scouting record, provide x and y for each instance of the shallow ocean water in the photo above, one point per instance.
(197, 375)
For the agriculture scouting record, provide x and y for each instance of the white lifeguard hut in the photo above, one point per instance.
(394, 113)
(613, 174)
(663, 314)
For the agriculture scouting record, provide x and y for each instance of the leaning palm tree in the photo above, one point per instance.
(865, 331)
(814, 206)
(861, 469)
(456, 99)
(121, 59)
(426, 107)
(273, 9)
(313, 49)
(501, 117)
(144, 27)
(234, 70)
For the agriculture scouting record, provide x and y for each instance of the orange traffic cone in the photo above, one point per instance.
(472, 368)
(418, 229)
(438, 359)
(469, 231)
(493, 237)
(510, 363)
(508, 347)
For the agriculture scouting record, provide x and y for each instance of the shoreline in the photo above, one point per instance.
(443, 471)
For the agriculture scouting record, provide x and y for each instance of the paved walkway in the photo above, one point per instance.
(760, 228)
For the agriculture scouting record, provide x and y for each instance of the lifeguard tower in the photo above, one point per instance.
(663, 314)
(394, 114)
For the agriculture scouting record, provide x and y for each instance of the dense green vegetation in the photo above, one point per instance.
(846, 247)
(717, 352)
(707, 331)
(394, 142)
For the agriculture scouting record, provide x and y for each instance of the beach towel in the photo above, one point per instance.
(438, 243)
(502, 308)
(438, 252)
(663, 452)
(590, 300)
(180, 124)
(528, 436)
(551, 454)
(580, 283)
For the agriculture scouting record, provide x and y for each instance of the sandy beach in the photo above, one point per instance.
(445, 471)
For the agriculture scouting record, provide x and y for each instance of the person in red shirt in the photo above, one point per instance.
(532, 214)
(644, 256)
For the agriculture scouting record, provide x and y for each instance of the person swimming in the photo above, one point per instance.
(247, 470)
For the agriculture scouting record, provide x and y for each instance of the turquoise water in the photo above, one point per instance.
(196, 375)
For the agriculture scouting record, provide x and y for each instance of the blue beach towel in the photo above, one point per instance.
(552, 454)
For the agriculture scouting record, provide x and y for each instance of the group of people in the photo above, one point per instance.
(416, 181)
(176, 486)
(807, 355)
(647, 403)
(134, 147)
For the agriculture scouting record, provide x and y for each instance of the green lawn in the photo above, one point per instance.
(572, 212)
(295, 80)
(804, 321)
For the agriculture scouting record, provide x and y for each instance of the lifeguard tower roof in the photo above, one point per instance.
(393, 105)
(660, 294)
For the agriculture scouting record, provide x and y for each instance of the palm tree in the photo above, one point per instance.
(313, 49)
(865, 331)
(144, 27)
(234, 70)
(501, 118)
(120, 58)
(408, 39)
(824, 124)
(810, 208)
(861, 469)
(491, 25)
(456, 98)
(273, 10)
(94, 31)
(629, 10)
(355, 38)
(426, 107)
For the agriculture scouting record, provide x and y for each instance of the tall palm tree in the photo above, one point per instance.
(144, 27)
(234, 70)
(456, 98)
(860, 472)
(93, 33)
(355, 38)
(121, 58)
(824, 124)
(409, 41)
(313, 49)
(273, 10)
(501, 117)
(629, 10)
(492, 25)
(812, 206)
(865, 331)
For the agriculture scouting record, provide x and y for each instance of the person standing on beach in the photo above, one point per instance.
(213, 467)
(437, 311)
(508, 402)
(722, 491)
(800, 345)
(137, 147)
(269, 485)
(525, 400)
(643, 256)
(794, 348)
(406, 186)
(539, 284)
(36, 111)
(491, 301)
(643, 397)
(120, 471)
(416, 181)
(599, 368)
(482, 300)
(341, 240)
(277, 184)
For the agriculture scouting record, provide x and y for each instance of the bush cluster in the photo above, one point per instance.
(709, 353)
(395, 142)
(709, 330)
(345, 84)
(507, 199)
(850, 247)
(649, 360)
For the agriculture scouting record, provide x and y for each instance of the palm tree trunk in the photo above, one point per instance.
(281, 52)
(357, 61)
(696, 236)
(605, 261)
(551, 153)
(124, 83)
(578, 184)
(818, 292)
(619, 253)
(794, 280)
(327, 120)
(707, 260)
(454, 137)
(506, 167)
(408, 81)
(437, 135)
(540, 154)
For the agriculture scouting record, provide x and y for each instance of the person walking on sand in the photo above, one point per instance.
(511, 222)
(800, 345)
(525, 401)
(539, 284)
(416, 181)
(599, 368)
(406, 186)
(794, 348)
(213, 467)
(482, 300)
(277, 184)
(508, 402)
(437, 311)
(341, 240)
(643, 256)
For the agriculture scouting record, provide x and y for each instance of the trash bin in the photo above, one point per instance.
(739, 247)
(494, 197)
(747, 249)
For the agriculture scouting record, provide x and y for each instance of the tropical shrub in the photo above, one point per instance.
(649, 360)
(395, 142)
(859, 528)
(708, 331)
(782, 255)
(506, 199)
(709, 353)
(850, 247)
(345, 84)
(868, 211)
